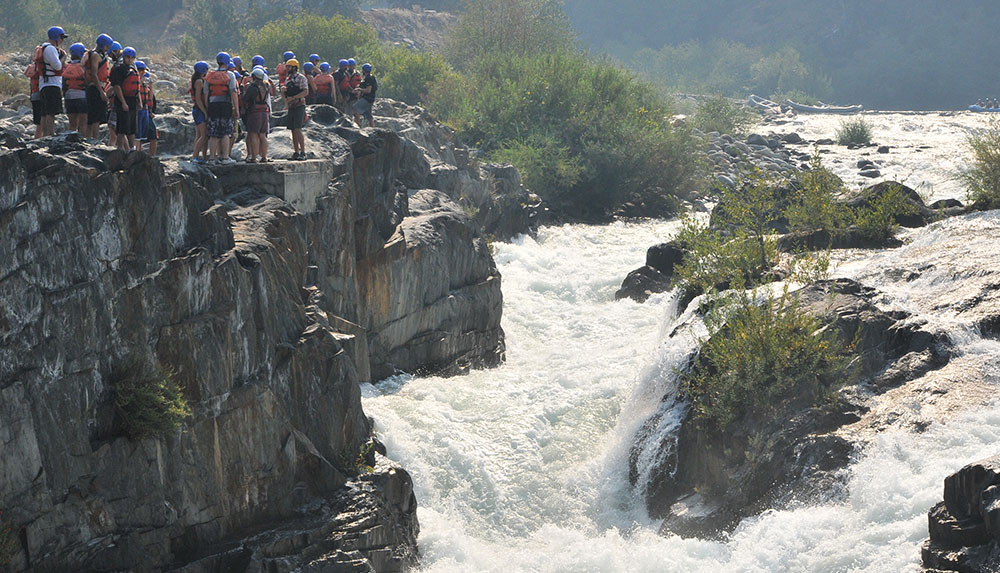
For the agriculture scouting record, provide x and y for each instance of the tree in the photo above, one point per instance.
(509, 29)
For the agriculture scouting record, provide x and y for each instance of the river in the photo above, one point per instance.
(524, 467)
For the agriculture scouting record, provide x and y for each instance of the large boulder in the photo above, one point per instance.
(965, 527)
(702, 480)
(919, 215)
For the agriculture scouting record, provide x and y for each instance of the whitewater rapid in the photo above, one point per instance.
(525, 467)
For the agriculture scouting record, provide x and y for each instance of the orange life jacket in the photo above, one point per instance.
(103, 69)
(282, 70)
(324, 84)
(38, 67)
(131, 84)
(259, 103)
(218, 83)
(73, 76)
(355, 80)
(34, 85)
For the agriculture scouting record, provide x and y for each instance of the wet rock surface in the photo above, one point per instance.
(271, 292)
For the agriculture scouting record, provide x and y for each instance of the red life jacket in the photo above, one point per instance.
(282, 73)
(218, 83)
(355, 80)
(73, 76)
(324, 84)
(103, 69)
(38, 67)
(131, 83)
(146, 94)
(34, 85)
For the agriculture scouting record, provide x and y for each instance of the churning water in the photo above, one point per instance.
(525, 467)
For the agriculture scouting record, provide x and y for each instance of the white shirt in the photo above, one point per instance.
(52, 63)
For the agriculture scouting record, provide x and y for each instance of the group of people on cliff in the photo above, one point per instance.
(227, 94)
(102, 85)
(107, 84)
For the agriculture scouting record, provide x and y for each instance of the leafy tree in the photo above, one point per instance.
(509, 29)
(303, 33)
(406, 74)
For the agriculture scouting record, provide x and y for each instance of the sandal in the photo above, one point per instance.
(251, 160)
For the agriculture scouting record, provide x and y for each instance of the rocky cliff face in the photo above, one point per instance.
(270, 292)
(965, 527)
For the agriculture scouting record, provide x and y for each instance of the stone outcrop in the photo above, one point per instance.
(702, 481)
(965, 527)
(270, 292)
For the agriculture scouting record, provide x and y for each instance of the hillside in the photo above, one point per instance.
(896, 54)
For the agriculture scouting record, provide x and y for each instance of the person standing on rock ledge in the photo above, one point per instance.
(97, 73)
(223, 108)
(50, 71)
(257, 106)
(366, 97)
(295, 91)
(125, 80)
(74, 89)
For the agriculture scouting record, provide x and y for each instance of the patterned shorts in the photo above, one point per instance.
(220, 127)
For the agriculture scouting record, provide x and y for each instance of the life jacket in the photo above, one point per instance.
(292, 89)
(146, 94)
(73, 76)
(191, 92)
(131, 84)
(324, 84)
(282, 70)
(259, 102)
(218, 83)
(38, 67)
(103, 69)
(355, 80)
(345, 82)
(34, 85)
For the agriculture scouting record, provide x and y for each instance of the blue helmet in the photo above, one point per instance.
(366, 68)
(237, 60)
(129, 52)
(104, 41)
(258, 61)
(145, 75)
(201, 67)
(324, 67)
(55, 33)
(115, 46)
(288, 55)
(351, 62)
(342, 63)
(308, 66)
(314, 58)
(223, 59)
(140, 65)
(77, 50)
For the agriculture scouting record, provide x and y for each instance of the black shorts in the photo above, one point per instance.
(36, 111)
(76, 106)
(97, 108)
(52, 100)
(127, 120)
(296, 117)
(220, 110)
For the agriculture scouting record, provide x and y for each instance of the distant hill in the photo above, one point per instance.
(891, 54)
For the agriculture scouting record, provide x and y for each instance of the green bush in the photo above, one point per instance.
(543, 163)
(407, 75)
(715, 259)
(815, 204)
(760, 353)
(332, 38)
(855, 131)
(721, 115)
(614, 127)
(188, 49)
(148, 403)
(877, 221)
(982, 177)
(13, 85)
(511, 28)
